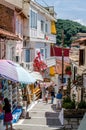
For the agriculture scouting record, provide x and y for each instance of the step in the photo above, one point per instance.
(36, 127)
(43, 121)
(43, 114)
(45, 107)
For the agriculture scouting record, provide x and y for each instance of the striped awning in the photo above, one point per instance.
(7, 70)
(13, 71)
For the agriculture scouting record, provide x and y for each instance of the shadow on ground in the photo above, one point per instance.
(53, 106)
(52, 119)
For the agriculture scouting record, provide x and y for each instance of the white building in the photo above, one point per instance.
(41, 34)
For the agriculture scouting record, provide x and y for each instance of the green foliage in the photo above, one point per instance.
(68, 103)
(67, 99)
(82, 105)
(70, 30)
(68, 68)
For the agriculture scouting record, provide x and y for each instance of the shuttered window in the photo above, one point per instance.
(27, 52)
(81, 57)
(33, 19)
(42, 25)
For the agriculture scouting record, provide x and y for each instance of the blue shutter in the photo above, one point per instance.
(27, 53)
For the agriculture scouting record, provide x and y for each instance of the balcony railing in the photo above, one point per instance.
(51, 61)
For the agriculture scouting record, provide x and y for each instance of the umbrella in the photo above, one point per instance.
(13, 71)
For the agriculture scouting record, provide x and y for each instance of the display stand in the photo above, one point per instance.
(17, 112)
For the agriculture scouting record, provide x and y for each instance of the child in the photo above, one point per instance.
(7, 114)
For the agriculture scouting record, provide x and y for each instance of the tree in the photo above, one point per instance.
(70, 28)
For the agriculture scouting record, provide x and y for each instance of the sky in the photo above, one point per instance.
(68, 9)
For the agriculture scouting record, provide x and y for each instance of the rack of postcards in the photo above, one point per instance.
(13, 92)
(9, 91)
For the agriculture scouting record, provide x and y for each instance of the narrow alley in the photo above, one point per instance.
(43, 117)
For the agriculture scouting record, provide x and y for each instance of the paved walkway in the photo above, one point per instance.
(43, 117)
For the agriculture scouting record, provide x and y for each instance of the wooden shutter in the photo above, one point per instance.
(81, 57)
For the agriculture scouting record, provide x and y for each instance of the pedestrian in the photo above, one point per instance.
(7, 114)
(52, 96)
(59, 99)
(46, 95)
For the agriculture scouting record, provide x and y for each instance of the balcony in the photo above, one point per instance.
(51, 38)
(17, 3)
(51, 61)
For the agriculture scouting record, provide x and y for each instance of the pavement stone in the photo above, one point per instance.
(43, 117)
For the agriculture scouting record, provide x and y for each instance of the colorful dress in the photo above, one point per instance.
(8, 114)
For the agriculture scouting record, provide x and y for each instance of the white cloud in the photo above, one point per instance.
(80, 21)
(68, 9)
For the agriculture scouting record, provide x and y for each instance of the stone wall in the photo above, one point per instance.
(71, 123)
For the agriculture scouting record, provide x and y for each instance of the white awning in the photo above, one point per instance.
(37, 75)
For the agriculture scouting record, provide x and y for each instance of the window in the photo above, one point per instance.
(17, 58)
(33, 22)
(81, 57)
(42, 25)
(27, 55)
(12, 53)
(45, 53)
(24, 43)
(46, 27)
(17, 26)
(42, 52)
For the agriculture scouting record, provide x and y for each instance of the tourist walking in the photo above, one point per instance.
(59, 99)
(52, 96)
(7, 114)
(46, 95)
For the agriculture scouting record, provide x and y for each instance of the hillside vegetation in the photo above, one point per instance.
(70, 28)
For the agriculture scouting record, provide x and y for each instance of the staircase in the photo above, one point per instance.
(43, 117)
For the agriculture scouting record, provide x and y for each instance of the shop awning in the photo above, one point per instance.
(13, 71)
(8, 35)
(37, 75)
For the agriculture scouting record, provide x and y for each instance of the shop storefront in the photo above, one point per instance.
(12, 85)
(12, 91)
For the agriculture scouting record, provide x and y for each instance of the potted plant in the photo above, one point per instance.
(68, 70)
(70, 110)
